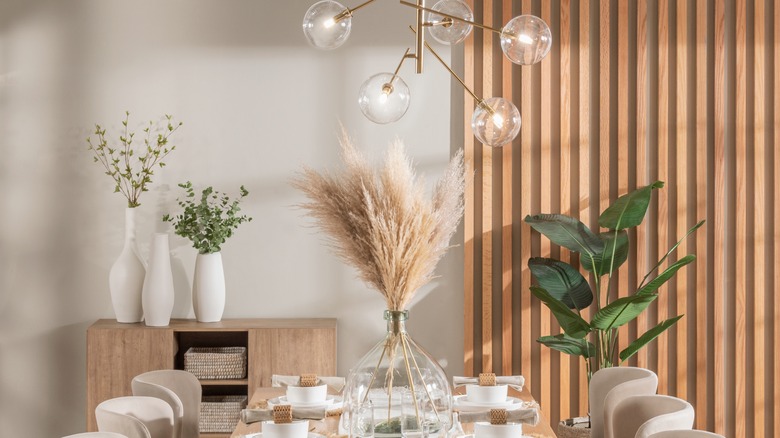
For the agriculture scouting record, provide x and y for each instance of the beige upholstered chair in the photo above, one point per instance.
(686, 434)
(609, 386)
(135, 417)
(641, 416)
(181, 390)
(96, 435)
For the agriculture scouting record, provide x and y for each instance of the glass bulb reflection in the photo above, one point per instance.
(383, 98)
(496, 121)
(449, 31)
(327, 24)
(526, 39)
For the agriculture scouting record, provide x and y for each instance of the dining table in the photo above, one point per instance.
(328, 427)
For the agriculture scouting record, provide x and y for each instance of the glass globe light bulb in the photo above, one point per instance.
(450, 31)
(327, 24)
(495, 122)
(384, 99)
(526, 39)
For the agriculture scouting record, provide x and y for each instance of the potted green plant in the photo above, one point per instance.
(208, 223)
(131, 167)
(566, 292)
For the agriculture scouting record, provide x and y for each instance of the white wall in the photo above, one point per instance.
(257, 103)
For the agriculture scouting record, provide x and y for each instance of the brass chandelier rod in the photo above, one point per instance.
(348, 12)
(421, 8)
(452, 72)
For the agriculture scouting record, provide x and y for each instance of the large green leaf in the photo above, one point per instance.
(569, 233)
(628, 210)
(621, 311)
(566, 344)
(571, 322)
(647, 337)
(562, 281)
(657, 282)
(604, 263)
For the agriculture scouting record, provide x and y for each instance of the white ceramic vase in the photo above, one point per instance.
(126, 278)
(208, 288)
(157, 296)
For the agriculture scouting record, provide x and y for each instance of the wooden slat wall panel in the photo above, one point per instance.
(633, 91)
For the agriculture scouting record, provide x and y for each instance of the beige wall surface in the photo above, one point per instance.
(257, 104)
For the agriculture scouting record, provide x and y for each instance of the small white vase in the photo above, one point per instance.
(157, 296)
(208, 288)
(126, 278)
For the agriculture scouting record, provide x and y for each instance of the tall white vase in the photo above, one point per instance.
(126, 278)
(157, 296)
(208, 288)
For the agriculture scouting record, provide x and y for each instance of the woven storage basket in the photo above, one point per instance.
(574, 428)
(220, 413)
(210, 363)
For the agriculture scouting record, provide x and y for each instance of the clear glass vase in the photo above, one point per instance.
(402, 382)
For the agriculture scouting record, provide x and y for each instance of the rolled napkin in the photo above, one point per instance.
(336, 384)
(527, 416)
(515, 382)
(254, 415)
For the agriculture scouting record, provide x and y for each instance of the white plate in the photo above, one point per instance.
(510, 404)
(330, 401)
(260, 435)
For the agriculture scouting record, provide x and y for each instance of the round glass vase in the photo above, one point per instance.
(398, 377)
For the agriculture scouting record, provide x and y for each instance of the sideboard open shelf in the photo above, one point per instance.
(117, 352)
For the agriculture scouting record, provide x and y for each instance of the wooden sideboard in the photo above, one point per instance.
(118, 352)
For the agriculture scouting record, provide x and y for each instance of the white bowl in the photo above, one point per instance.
(296, 429)
(307, 394)
(487, 430)
(486, 394)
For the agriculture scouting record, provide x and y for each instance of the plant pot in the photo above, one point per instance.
(208, 288)
(574, 428)
(126, 278)
(157, 296)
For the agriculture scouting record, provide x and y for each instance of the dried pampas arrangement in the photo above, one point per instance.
(381, 222)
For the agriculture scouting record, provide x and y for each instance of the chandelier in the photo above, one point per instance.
(385, 97)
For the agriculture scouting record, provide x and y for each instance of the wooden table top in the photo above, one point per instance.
(541, 430)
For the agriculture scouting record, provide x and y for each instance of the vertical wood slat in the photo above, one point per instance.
(662, 157)
(703, 367)
(642, 178)
(709, 106)
(740, 384)
(584, 153)
(546, 194)
(759, 223)
(506, 218)
(566, 74)
(718, 222)
(487, 202)
(681, 306)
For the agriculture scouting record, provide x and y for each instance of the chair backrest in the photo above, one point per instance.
(96, 435)
(181, 390)
(136, 417)
(686, 434)
(643, 415)
(608, 386)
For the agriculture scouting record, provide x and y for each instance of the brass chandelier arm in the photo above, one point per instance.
(348, 12)
(453, 17)
(452, 72)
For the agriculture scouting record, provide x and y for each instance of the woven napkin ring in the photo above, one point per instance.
(308, 380)
(487, 379)
(498, 416)
(282, 414)
(334, 413)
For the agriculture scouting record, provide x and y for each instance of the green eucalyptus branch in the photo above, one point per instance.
(132, 169)
(209, 221)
